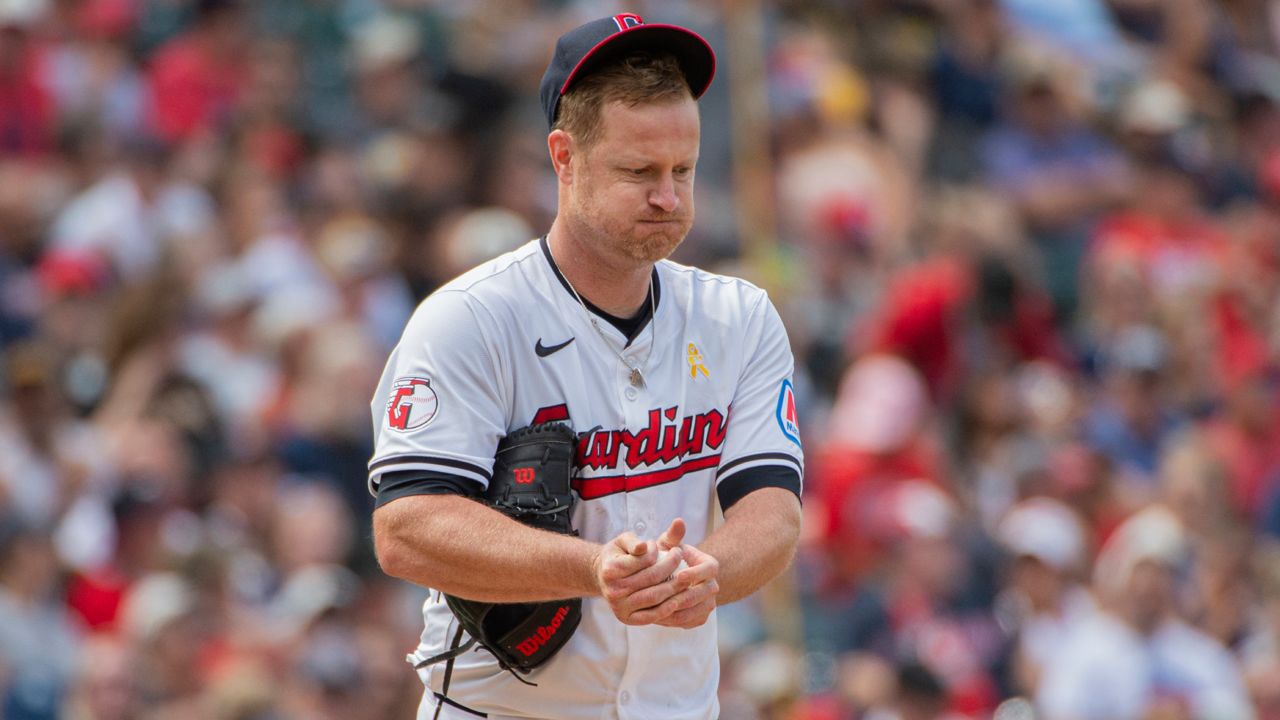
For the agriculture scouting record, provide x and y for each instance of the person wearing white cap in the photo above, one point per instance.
(1047, 544)
(1138, 658)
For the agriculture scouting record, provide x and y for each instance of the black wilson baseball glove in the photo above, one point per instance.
(530, 484)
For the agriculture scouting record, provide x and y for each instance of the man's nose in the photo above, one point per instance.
(664, 195)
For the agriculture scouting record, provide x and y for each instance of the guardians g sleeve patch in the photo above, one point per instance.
(413, 404)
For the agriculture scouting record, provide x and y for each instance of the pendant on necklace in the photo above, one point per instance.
(636, 378)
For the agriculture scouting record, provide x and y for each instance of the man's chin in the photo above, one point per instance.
(657, 246)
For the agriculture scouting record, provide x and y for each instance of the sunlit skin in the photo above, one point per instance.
(626, 201)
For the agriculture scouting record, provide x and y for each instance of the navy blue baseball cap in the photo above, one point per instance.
(588, 47)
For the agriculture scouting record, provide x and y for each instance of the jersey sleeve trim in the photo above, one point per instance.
(757, 478)
(427, 463)
(395, 485)
(748, 462)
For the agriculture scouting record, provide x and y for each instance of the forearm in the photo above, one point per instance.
(460, 547)
(755, 543)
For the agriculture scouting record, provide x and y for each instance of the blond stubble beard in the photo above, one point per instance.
(654, 247)
(649, 249)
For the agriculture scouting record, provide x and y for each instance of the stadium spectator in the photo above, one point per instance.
(1138, 658)
(1028, 253)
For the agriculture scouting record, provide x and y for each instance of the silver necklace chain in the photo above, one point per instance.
(636, 376)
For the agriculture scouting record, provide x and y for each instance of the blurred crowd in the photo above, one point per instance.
(1028, 252)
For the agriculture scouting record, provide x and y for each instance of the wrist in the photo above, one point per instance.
(593, 567)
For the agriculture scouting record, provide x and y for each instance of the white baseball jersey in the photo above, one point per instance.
(507, 344)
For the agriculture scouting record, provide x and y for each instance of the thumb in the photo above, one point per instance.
(673, 535)
(629, 544)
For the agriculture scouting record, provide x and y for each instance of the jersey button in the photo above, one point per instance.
(631, 393)
(624, 697)
(640, 527)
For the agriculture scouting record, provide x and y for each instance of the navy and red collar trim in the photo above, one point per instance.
(629, 327)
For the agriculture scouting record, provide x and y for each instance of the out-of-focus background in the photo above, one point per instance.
(1028, 252)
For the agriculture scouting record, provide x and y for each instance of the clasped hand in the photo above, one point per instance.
(644, 589)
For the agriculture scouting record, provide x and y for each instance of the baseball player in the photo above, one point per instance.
(675, 382)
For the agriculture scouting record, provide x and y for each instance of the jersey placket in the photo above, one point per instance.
(627, 511)
(637, 404)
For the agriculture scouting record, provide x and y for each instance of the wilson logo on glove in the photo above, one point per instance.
(544, 633)
(524, 476)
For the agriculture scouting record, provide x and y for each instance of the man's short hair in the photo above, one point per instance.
(635, 79)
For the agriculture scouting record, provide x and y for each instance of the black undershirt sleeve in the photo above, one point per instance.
(743, 483)
(395, 485)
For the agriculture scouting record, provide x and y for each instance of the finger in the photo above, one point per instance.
(649, 598)
(690, 618)
(625, 555)
(673, 535)
(694, 556)
(619, 567)
(646, 596)
(695, 595)
(679, 601)
(695, 616)
(657, 614)
(696, 574)
(630, 544)
(701, 567)
(659, 572)
(653, 614)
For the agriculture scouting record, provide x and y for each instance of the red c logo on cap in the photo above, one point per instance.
(627, 20)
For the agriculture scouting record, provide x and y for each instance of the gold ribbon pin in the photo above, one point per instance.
(695, 362)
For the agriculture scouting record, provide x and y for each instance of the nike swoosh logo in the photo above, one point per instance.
(544, 351)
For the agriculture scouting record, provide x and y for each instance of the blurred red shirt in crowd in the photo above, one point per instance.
(926, 313)
(27, 112)
(878, 439)
(196, 79)
(1245, 435)
(1172, 255)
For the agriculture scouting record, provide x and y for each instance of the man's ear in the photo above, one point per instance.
(560, 145)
